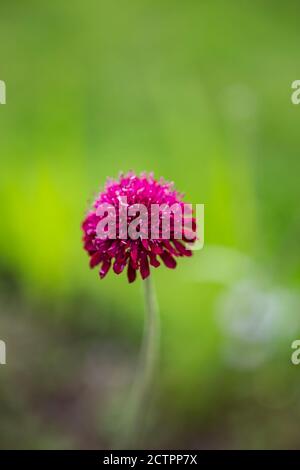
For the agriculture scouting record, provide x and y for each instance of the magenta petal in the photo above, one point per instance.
(134, 253)
(104, 269)
(181, 248)
(95, 259)
(118, 266)
(153, 260)
(156, 249)
(131, 273)
(168, 260)
(144, 266)
(89, 246)
(145, 243)
(169, 247)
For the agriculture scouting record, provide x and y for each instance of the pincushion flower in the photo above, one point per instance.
(137, 222)
(154, 243)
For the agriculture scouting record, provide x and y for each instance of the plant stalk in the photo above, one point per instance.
(144, 380)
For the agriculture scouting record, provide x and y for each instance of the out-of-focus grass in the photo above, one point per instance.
(198, 92)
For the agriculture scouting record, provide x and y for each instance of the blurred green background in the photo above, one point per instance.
(200, 93)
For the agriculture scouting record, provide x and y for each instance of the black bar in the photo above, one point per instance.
(136, 458)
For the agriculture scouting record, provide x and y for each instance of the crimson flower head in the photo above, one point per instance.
(136, 222)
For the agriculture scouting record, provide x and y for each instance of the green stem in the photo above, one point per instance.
(144, 379)
(150, 345)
